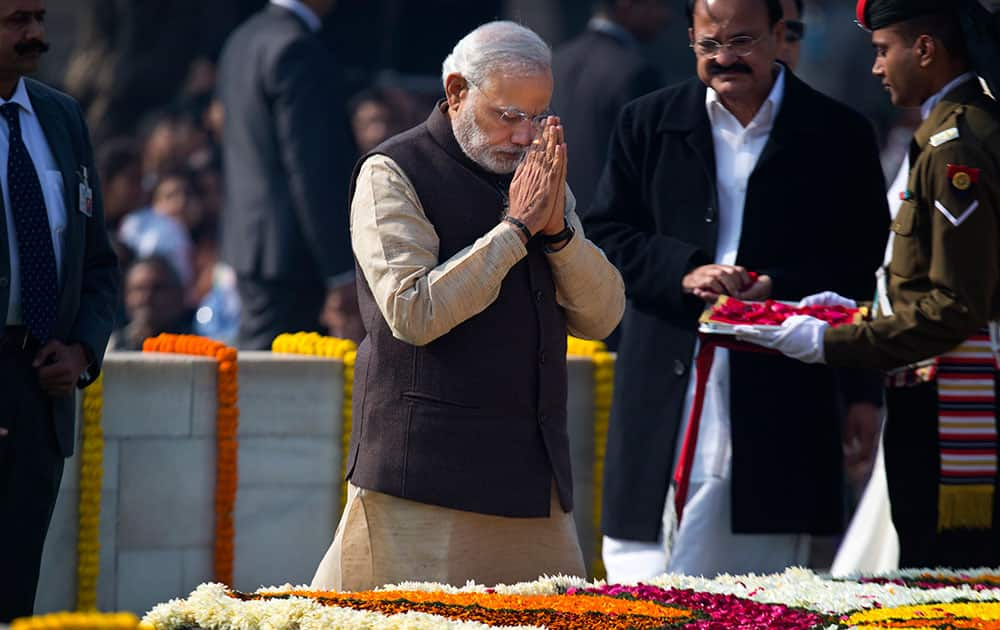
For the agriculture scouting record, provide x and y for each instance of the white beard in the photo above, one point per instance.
(475, 144)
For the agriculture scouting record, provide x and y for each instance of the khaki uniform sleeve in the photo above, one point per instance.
(944, 270)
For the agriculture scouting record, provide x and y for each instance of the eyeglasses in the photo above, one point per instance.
(741, 46)
(795, 31)
(512, 116)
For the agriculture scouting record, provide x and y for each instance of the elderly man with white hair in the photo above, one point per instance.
(472, 268)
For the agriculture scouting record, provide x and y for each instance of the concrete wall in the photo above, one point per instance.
(159, 471)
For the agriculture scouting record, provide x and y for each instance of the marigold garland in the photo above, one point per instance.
(227, 423)
(315, 345)
(604, 377)
(91, 478)
(557, 612)
(81, 621)
(979, 615)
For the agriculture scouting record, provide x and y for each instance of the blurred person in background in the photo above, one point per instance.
(154, 304)
(120, 166)
(596, 73)
(127, 61)
(379, 113)
(287, 154)
(790, 50)
(162, 228)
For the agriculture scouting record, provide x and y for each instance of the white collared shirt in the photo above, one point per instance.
(737, 149)
(303, 11)
(51, 180)
(931, 103)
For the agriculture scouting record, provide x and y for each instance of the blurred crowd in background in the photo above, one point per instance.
(145, 73)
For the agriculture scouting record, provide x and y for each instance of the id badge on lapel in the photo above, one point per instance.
(86, 196)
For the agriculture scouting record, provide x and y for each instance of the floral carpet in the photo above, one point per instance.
(795, 599)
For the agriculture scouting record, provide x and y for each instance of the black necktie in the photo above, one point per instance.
(39, 279)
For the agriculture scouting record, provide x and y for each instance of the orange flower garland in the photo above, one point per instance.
(227, 419)
(558, 612)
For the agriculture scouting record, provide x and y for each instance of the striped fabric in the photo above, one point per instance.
(967, 431)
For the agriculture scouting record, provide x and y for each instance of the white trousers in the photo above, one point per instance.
(706, 545)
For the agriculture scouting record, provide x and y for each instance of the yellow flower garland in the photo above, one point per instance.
(952, 615)
(345, 350)
(80, 621)
(91, 477)
(604, 376)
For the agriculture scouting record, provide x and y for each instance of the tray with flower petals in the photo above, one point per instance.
(727, 313)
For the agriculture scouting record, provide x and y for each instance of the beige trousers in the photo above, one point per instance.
(382, 539)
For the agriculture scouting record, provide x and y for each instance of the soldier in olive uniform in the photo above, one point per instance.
(935, 328)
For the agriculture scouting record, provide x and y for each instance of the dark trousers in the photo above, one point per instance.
(912, 463)
(272, 307)
(31, 467)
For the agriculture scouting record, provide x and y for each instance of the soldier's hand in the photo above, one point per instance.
(532, 193)
(710, 281)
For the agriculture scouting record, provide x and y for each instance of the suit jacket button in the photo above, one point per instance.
(679, 367)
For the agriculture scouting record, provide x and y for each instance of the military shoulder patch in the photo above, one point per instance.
(944, 136)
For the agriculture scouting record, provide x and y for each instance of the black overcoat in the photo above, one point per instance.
(815, 219)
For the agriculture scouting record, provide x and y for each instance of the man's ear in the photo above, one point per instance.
(927, 50)
(456, 87)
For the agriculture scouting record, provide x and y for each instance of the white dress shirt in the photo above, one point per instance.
(737, 149)
(50, 178)
(303, 11)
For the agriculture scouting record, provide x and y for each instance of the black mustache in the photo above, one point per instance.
(715, 69)
(35, 45)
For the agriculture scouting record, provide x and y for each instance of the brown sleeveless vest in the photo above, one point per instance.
(475, 420)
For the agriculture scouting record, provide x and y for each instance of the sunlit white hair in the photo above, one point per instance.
(498, 47)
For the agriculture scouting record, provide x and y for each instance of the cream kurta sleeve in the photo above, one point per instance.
(588, 287)
(397, 250)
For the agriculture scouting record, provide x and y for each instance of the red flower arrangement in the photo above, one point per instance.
(729, 310)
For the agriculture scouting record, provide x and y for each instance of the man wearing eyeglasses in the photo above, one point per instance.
(472, 269)
(743, 169)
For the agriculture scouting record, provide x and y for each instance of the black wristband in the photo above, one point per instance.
(566, 234)
(524, 228)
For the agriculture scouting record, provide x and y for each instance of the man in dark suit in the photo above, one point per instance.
(744, 168)
(287, 153)
(596, 73)
(58, 284)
